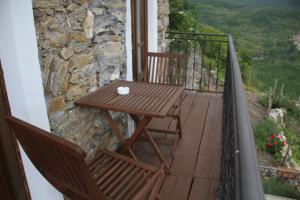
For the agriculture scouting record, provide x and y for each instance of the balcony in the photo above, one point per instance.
(196, 164)
(216, 157)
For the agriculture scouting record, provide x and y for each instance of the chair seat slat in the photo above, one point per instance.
(122, 183)
(133, 181)
(113, 184)
(108, 173)
(116, 174)
(137, 185)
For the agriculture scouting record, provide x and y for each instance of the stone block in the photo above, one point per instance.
(78, 36)
(58, 76)
(67, 53)
(79, 46)
(98, 11)
(88, 25)
(72, 6)
(75, 92)
(56, 104)
(46, 67)
(56, 39)
(82, 60)
(45, 4)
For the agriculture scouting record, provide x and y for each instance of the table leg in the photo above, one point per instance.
(140, 126)
(156, 149)
(118, 133)
(151, 141)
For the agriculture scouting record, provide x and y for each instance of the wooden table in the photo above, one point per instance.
(145, 101)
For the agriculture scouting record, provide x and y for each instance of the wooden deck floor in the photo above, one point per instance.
(195, 166)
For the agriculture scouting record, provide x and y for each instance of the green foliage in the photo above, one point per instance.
(263, 131)
(275, 186)
(264, 101)
(295, 141)
(264, 29)
(184, 18)
(284, 102)
(245, 61)
(290, 105)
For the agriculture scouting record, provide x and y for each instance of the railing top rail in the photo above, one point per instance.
(197, 39)
(194, 33)
(248, 176)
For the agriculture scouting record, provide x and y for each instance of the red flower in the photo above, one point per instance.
(269, 145)
(273, 136)
(283, 142)
(275, 142)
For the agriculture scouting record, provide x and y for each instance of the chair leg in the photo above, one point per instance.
(178, 126)
(175, 145)
(154, 195)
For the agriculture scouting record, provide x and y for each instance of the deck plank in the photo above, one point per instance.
(212, 190)
(200, 189)
(188, 100)
(187, 149)
(207, 165)
(145, 153)
(176, 188)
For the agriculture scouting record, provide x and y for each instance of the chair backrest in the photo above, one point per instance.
(61, 162)
(165, 68)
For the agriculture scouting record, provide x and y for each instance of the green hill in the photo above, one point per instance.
(263, 30)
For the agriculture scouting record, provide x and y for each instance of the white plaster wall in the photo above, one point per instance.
(128, 40)
(152, 26)
(129, 56)
(19, 56)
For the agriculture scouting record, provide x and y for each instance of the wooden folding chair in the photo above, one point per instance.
(105, 177)
(166, 68)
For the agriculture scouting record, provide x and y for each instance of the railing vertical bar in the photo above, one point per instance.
(178, 72)
(210, 63)
(187, 53)
(194, 63)
(202, 64)
(218, 67)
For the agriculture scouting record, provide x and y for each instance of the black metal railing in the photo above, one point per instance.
(206, 59)
(239, 175)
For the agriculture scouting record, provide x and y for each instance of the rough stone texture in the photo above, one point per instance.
(88, 25)
(163, 23)
(278, 115)
(296, 39)
(67, 53)
(78, 39)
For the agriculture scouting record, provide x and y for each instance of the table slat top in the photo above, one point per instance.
(148, 99)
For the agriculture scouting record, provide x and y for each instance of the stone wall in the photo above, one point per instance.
(81, 47)
(163, 23)
(287, 175)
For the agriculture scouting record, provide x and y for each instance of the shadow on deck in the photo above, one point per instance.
(195, 166)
